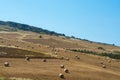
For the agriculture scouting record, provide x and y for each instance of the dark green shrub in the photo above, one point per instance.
(101, 48)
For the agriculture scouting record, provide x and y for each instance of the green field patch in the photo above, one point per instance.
(6, 52)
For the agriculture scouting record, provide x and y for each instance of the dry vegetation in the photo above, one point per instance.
(47, 54)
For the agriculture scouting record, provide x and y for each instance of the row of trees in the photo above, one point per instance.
(111, 55)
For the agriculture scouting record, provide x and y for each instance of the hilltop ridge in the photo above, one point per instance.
(14, 26)
(26, 27)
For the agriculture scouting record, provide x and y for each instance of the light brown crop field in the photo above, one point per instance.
(15, 46)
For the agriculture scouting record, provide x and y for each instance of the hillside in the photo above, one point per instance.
(7, 28)
(83, 59)
(28, 28)
(13, 26)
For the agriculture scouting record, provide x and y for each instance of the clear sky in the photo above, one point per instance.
(96, 20)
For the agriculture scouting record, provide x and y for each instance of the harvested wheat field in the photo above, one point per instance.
(48, 53)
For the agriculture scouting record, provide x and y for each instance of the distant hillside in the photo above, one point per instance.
(25, 27)
(13, 26)
(7, 28)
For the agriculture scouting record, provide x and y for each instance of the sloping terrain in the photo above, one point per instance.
(82, 63)
(7, 28)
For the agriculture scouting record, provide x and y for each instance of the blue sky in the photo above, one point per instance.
(96, 20)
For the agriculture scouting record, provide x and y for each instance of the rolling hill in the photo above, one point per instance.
(25, 27)
(84, 59)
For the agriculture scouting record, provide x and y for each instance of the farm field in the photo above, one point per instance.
(55, 50)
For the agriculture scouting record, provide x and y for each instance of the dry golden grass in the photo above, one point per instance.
(88, 67)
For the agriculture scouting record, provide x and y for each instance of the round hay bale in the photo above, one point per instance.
(9, 44)
(101, 62)
(62, 58)
(77, 57)
(55, 53)
(17, 46)
(27, 58)
(99, 58)
(39, 45)
(62, 66)
(109, 61)
(6, 64)
(67, 59)
(103, 66)
(32, 47)
(107, 57)
(66, 70)
(44, 60)
(61, 75)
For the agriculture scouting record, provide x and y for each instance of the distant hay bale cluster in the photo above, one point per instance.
(77, 57)
(103, 63)
(64, 69)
